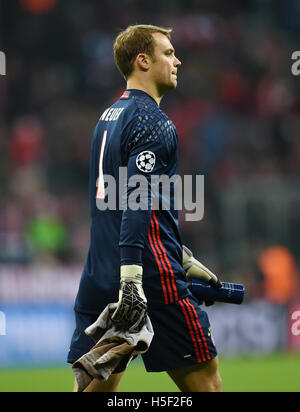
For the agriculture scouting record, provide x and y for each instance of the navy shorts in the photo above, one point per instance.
(182, 336)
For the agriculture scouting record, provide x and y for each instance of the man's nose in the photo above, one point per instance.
(177, 62)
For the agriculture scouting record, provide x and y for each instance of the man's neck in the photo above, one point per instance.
(151, 90)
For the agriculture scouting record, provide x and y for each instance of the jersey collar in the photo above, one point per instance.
(138, 92)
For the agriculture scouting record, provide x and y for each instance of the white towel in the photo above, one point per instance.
(113, 351)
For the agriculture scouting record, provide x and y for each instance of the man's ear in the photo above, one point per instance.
(142, 61)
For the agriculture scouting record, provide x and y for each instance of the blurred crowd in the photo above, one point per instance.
(236, 110)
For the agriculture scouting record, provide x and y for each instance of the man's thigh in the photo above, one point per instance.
(198, 378)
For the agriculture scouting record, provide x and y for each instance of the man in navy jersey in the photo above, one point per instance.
(136, 256)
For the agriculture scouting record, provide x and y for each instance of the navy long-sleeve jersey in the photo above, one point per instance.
(135, 135)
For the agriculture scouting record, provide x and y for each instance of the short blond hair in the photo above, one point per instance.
(134, 40)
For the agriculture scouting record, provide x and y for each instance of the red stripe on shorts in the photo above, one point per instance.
(199, 341)
(200, 328)
(199, 360)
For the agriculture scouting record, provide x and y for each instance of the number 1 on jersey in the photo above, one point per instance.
(101, 189)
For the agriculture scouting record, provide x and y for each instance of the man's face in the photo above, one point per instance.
(164, 65)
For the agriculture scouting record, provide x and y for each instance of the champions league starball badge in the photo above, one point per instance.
(145, 161)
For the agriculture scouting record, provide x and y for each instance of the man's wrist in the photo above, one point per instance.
(133, 273)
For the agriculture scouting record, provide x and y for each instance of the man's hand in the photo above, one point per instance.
(131, 311)
(194, 268)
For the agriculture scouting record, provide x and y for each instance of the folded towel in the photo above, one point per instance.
(113, 351)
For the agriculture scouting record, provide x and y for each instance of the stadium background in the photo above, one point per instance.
(237, 113)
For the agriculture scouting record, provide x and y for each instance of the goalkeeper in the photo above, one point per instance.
(136, 257)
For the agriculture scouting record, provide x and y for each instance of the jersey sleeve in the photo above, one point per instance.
(147, 156)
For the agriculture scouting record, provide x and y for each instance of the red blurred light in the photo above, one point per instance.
(38, 6)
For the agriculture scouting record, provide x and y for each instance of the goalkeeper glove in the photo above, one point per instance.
(194, 268)
(131, 311)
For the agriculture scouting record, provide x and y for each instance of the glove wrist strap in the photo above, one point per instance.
(133, 273)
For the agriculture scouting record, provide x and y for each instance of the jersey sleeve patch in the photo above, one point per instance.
(145, 161)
